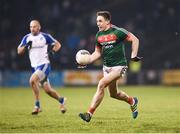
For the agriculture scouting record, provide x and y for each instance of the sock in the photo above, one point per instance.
(131, 100)
(91, 111)
(37, 104)
(61, 100)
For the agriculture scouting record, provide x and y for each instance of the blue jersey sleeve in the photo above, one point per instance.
(49, 39)
(23, 41)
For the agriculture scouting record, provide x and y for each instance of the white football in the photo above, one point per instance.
(83, 57)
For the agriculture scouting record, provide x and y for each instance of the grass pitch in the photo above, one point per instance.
(159, 111)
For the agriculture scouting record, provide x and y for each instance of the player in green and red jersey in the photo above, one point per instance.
(110, 46)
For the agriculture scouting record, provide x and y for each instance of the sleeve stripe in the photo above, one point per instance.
(24, 41)
(121, 29)
(49, 39)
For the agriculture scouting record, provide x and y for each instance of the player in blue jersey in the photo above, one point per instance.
(37, 44)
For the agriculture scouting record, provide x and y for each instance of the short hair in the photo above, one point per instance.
(37, 21)
(105, 14)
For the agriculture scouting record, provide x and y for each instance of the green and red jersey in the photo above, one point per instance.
(112, 46)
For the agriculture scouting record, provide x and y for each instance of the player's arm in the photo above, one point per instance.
(57, 46)
(97, 52)
(95, 55)
(23, 46)
(21, 50)
(135, 46)
(53, 48)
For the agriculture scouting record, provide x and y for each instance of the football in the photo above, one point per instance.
(83, 57)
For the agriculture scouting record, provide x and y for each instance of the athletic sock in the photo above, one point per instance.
(61, 100)
(131, 100)
(37, 104)
(91, 111)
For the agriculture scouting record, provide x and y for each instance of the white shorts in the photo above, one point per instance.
(120, 69)
(42, 71)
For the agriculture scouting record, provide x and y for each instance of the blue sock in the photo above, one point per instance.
(37, 104)
(61, 100)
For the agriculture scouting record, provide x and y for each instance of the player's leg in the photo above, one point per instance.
(98, 97)
(54, 94)
(132, 101)
(37, 76)
(114, 93)
(34, 83)
(120, 95)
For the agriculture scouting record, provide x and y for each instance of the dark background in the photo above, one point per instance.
(73, 22)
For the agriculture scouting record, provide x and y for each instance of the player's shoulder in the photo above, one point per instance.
(120, 29)
(117, 28)
(98, 33)
(44, 34)
(26, 36)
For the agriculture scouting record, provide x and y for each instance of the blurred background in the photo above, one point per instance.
(73, 22)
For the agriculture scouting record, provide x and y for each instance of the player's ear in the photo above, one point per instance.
(108, 21)
(39, 27)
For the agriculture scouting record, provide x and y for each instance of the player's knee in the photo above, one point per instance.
(32, 81)
(48, 91)
(101, 85)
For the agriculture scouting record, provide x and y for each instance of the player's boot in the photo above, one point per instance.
(62, 106)
(36, 110)
(134, 108)
(85, 116)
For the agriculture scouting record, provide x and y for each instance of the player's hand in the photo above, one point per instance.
(80, 66)
(136, 59)
(51, 52)
(28, 45)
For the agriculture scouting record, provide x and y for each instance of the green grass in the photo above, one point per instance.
(159, 109)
